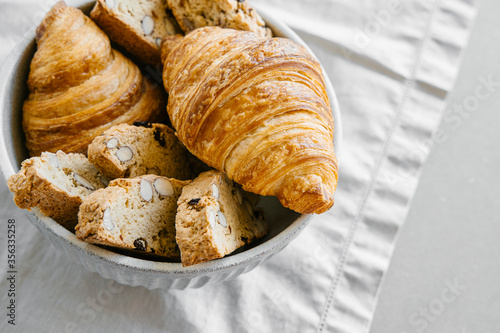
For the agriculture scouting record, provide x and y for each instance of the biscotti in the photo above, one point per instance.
(234, 14)
(56, 184)
(214, 218)
(133, 213)
(143, 148)
(137, 25)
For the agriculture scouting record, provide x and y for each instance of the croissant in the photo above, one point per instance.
(79, 86)
(257, 110)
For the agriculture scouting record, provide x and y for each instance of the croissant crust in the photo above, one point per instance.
(79, 86)
(256, 109)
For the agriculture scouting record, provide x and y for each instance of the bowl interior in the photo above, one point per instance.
(13, 92)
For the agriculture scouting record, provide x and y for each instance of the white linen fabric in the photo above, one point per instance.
(392, 63)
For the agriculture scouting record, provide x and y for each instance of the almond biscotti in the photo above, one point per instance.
(143, 148)
(234, 14)
(137, 25)
(133, 213)
(214, 218)
(56, 184)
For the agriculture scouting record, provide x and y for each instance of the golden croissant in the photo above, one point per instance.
(256, 109)
(79, 86)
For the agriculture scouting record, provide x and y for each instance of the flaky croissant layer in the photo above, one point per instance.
(79, 86)
(256, 109)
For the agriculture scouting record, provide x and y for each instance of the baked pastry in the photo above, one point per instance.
(234, 14)
(143, 148)
(56, 184)
(138, 26)
(168, 43)
(133, 213)
(79, 86)
(214, 218)
(257, 110)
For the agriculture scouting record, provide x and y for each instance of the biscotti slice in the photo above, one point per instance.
(56, 184)
(136, 150)
(137, 25)
(133, 213)
(214, 218)
(234, 14)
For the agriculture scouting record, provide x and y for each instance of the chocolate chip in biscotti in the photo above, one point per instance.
(124, 154)
(194, 202)
(160, 137)
(141, 244)
(146, 124)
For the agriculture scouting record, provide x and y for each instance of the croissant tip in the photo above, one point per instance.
(54, 11)
(315, 199)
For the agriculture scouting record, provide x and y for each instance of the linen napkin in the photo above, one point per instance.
(392, 64)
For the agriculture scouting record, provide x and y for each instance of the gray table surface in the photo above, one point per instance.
(444, 276)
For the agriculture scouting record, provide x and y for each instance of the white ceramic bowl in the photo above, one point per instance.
(285, 224)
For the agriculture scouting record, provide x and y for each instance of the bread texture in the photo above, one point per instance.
(56, 184)
(144, 148)
(79, 86)
(133, 213)
(234, 14)
(137, 25)
(214, 218)
(256, 109)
